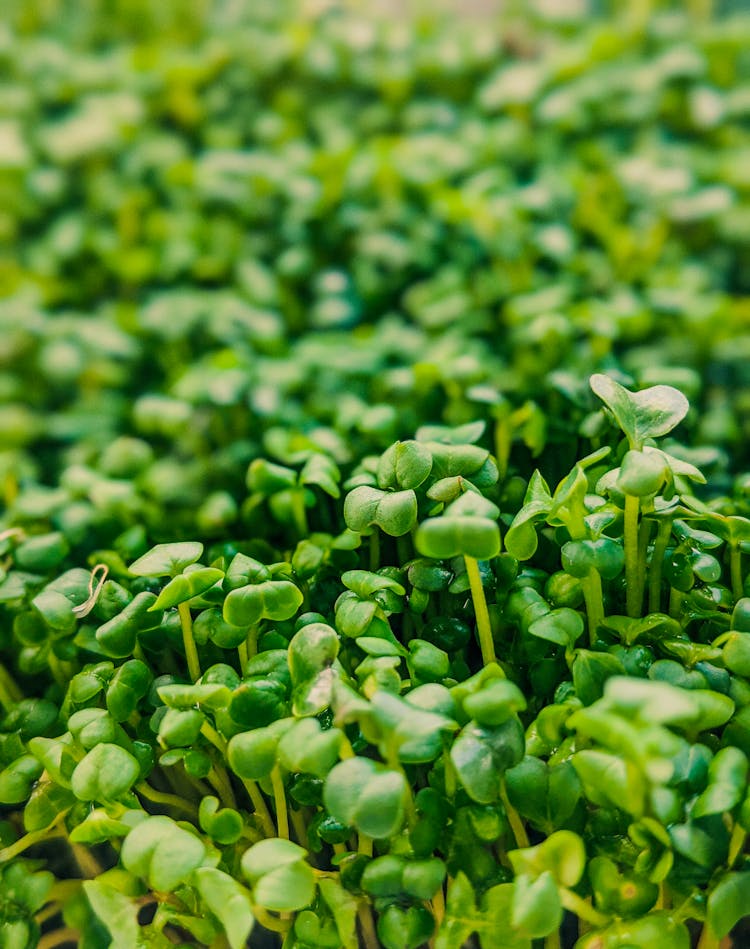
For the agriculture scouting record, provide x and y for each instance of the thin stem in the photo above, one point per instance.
(502, 446)
(88, 864)
(657, 564)
(484, 629)
(219, 779)
(260, 807)
(644, 535)
(300, 827)
(10, 694)
(242, 653)
(191, 653)
(553, 940)
(735, 569)
(168, 800)
(632, 567)
(364, 844)
(594, 600)
(514, 819)
(582, 908)
(268, 921)
(675, 602)
(58, 937)
(736, 844)
(367, 926)
(374, 545)
(279, 799)
(708, 940)
(33, 837)
(438, 907)
(251, 642)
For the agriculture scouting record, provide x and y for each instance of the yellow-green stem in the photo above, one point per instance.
(514, 819)
(268, 921)
(657, 564)
(242, 653)
(191, 653)
(484, 629)
(632, 567)
(736, 844)
(708, 940)
(364, 845)
(299, 825)
(58, 937)
(219, 781)
(502, 446)
(33, 837)
(168, 800)
(367, 926)
(594, 600)
(260, 807)
(438, 907)
(582, 908)
(735, 569)
(553, 940)
(279, 798)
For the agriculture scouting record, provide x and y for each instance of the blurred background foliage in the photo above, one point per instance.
(226, 220)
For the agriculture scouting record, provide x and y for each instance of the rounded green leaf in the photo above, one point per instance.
(187, 585)
(166, 559)
(446, 537)
(649, 413)
(105, 774)
(271, 599)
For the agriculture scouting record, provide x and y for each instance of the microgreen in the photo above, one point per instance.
(374, 514)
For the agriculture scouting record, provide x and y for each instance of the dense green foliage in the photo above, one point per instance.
(367, 575)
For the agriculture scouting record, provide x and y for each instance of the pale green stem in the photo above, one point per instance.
(632, 567)
(374, 545)
(191, 653)
(657, 565)
(484, 629)
(364, 844)
(259, 806)
(553, 940)
(251, 642)
(219, 781)
(33, 837)
(300, 827)
(708, 940)
(367, 926)
(594, 600)
(300, 512)
(675, 602)
(58, 937)
(242, 653)
(735, 568)
(279, 798)
(514, 819)
(502, 446)
(168, 800)
(268, 921)
(582, 908)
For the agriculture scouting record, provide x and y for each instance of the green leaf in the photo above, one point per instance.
(536, 907)
(445, 537)
(404, 465)
(394, 512)
(481, 756)
(362, 794)
(118, 912)
(649, 413)
(271, 599)
(105, 774)
(562, 855)
(166, 559)
(461, 915)
(343, 907)
(282, 880)
(312, 652)
(728, 903)
(228, 901)
(187, 585)
(162, 853)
